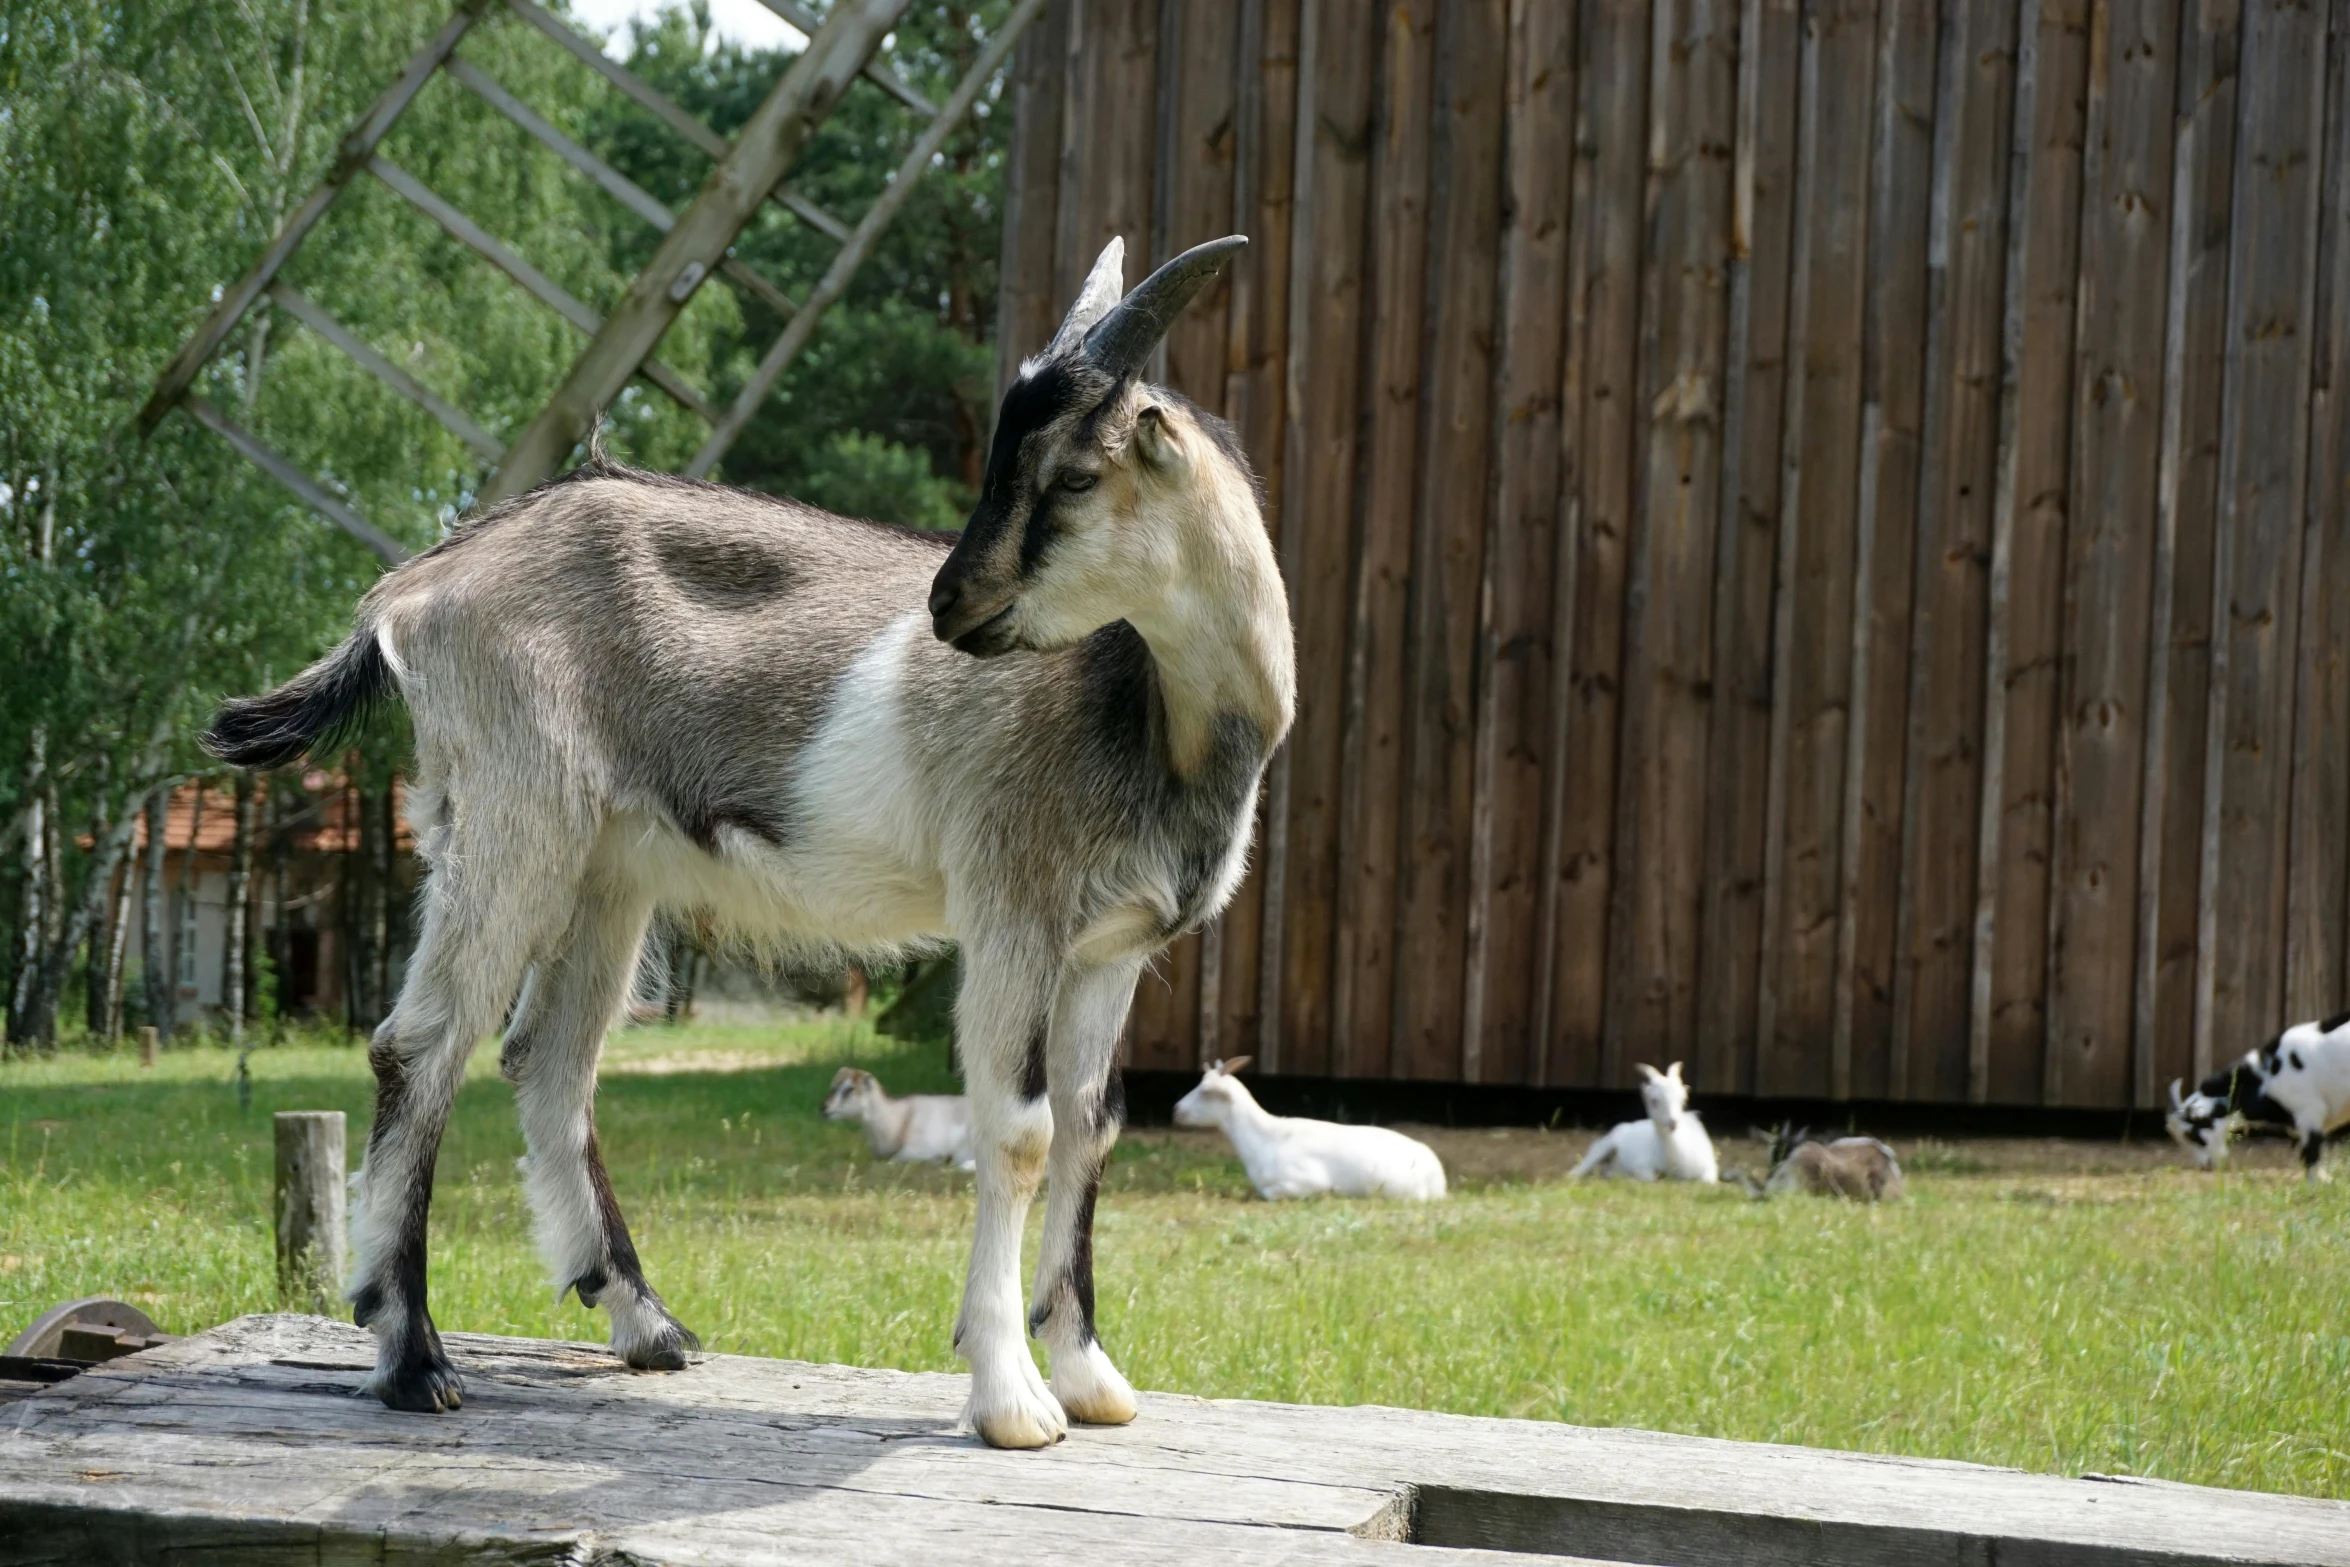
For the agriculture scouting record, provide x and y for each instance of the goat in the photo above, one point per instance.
(918, 1129)
(1041, 740)
(1290, 1156)
(2297, 1083)
(1860, 1168)
(1671, 1143)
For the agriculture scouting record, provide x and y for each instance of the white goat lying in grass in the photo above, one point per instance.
(918, 1129)
(1289, 1156)
(1670, 1144)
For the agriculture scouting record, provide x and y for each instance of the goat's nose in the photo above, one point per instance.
(943, 596)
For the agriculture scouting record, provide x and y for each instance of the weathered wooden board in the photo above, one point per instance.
(1371, 844)
(1518, 651)
(247, 1444)
(1323, 389)
(1669, 657)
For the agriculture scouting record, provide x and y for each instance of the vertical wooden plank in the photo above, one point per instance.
(2109, 555)
(1820, 488)
(1440, 700)
(1660, 833)
(2007, 1051)
(1439, 1004)
(2264, 450)
(1373, 779)
(1892, 410)
(1192, 193)
(1966, 273)
(1746, 542)
(1028, 305)
(2172, 1019)
(1517, 660)
(2317, 909)
(1611, 119)
(1323, 376)
(1256, 345)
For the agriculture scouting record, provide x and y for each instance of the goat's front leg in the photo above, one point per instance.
(1089, 1103)
(1003, 1015)
(2313, 1152)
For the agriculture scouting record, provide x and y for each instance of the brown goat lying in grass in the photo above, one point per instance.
(1861, 1169)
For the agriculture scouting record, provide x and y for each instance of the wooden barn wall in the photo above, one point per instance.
(1819, 530)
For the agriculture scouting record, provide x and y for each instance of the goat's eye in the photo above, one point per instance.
(1076, 482)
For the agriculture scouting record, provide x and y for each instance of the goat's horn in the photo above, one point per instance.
(1236, 1063)
(1096, 298)
(1123, 339)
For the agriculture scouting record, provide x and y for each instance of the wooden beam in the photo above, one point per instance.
(852, 255)
(545, 289)
(453, 419)
(665, 109)
(616, 184)
(313, 494)
(878, 74)
(349, 159)
(770, 141)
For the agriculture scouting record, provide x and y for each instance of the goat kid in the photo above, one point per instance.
(631, 692)
(918, 1129)
(1671, 1144)
(2298, 1083)
(1290, 1156)
(1860, 1169)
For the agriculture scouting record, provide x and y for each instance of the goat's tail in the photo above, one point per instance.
(311, 712)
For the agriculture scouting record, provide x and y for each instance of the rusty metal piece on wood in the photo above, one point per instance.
(87, 1332)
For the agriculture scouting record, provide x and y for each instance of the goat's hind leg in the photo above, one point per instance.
(1089, 1103)
(1002, 1021)
(574, 997)
(480, 926)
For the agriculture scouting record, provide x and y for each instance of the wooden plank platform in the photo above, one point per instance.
(245, 1445)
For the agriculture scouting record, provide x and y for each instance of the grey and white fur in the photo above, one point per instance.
(635, 693)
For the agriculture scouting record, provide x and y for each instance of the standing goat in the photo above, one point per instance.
(2299, 1083)
(1290, 1156)
(1671, 1143)
(633, 692)
(918, 1129)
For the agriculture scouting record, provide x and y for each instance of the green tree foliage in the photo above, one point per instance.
(148, 151)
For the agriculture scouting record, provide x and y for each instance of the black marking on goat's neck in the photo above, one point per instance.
(1032, 1071)
(2243, 1089)
(2335, 1023)
(1192, 820)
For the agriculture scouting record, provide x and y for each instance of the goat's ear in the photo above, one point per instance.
(1156, 441)
(1651, 1073)
(1236, 1063)
(1674, 1071)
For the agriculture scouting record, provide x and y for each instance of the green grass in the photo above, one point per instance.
(2157, 1323)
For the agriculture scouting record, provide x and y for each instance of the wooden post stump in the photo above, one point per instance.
(150, 1039)
(310, 1204)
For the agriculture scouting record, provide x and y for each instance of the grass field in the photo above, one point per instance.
(2125, 1316)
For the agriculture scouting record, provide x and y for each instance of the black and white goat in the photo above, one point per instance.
(631, 692)
(2297, 1083)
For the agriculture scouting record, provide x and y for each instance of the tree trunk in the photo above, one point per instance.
(106, 993)
(108, 843)
(182, 895)
(155, 970)
(32, 917)
(240, 883)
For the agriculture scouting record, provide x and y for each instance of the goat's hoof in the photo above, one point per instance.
(1019, 1412)
(662, 1347)
(1091, 1389)
(427, 1386)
